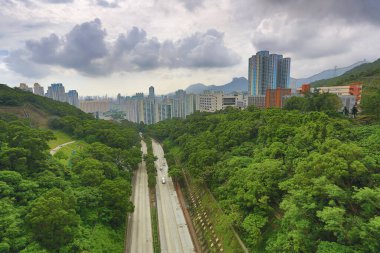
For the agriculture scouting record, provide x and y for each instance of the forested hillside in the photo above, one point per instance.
(367, 73)
(16, 97)
(74, 202)
(289, 181)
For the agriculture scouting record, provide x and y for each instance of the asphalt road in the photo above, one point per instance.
(174, 233)
(54, 150)
(139, 235)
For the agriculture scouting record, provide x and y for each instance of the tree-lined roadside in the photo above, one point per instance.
(152, 181)
(48, 205)
(139, 236)
(288, 181)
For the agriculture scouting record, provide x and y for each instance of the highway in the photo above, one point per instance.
(139, 235)
(174, 233)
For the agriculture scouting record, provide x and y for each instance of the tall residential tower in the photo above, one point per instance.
(267, 71)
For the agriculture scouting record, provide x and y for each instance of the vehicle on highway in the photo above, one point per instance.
(163, 180)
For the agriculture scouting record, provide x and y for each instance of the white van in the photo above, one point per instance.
(163, 180)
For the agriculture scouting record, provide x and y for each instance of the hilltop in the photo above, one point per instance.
(238, 84)
(326, 74)
(366, 73)
(36, 108)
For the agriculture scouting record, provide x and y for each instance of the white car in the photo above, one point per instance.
(163, 180)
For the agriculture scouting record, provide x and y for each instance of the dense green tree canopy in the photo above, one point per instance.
(289, 181)
(50, 206)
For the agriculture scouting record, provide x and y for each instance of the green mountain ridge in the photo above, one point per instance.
(366, 73)
(13, 97)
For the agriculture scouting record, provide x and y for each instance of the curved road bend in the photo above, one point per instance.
(139, 235)
(174, 233)
(55, 150)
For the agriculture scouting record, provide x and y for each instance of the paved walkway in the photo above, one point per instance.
(54, 150)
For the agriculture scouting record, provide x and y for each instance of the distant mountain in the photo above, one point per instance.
(366, 73)
(239, 84)
(198, 88)
(327, 74)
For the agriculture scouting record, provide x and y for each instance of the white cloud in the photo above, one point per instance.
(84, 49)
(178, 33)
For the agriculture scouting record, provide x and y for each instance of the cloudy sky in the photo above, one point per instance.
(109, 46)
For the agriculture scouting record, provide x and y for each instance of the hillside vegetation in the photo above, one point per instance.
(18, 98)
(367, 73)
(288, 181)
(75, 201)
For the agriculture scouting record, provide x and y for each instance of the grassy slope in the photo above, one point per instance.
(65, 154)
(16, 98)
(366, 73)
(36, 117)
(61, 138)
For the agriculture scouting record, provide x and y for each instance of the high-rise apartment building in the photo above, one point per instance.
(95, 106)
(151, 92)
(38, 89)
(179, 104)
(57, 92)
(192, 103)
(149, 116)
(72, 98)
(211, 101)
(267, 71)
(25, 87)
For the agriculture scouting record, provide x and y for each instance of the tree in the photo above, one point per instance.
(52, 219)
(370, 102)
(92, 177)
(175, 172)
(115, 198)
(296, 103)
(325, 102)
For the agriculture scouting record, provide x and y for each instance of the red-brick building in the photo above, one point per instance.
(275, 97)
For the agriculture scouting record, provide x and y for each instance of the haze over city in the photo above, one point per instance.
(103, 47)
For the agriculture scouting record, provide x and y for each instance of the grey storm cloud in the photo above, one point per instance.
(303, 28)
(351, 11)
(58, 1)
(192, 4)
(107, 4)
(85, 49)
(83, 44)
(19, 64)
(3, 52)
(300, 38)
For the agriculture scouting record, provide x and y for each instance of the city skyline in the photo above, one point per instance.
(100, 47)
